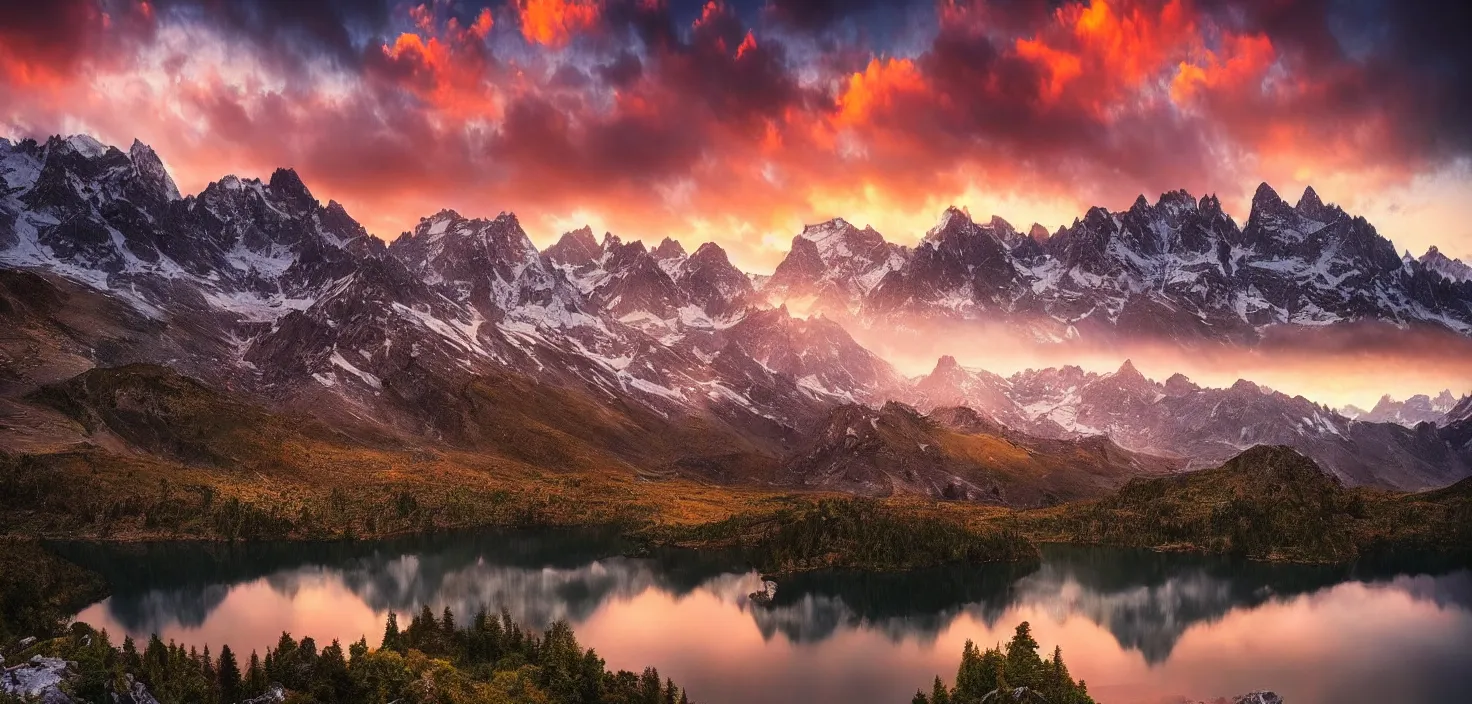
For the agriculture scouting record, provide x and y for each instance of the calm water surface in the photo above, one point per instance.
(1137, 626)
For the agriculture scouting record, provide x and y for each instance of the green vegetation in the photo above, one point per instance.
(1269, 503)
(171, 459)
(856, 533)
(433, 661)
(39, 591)
(1015, 673)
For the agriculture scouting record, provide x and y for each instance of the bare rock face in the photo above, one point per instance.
(766, 594)
(41, 678)
(275, 694)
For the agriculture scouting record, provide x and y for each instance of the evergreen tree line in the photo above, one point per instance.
(1011, 673)
(492, 660)
(858, 533)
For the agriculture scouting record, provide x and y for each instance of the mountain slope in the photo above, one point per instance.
(676, 361)
(956, 453)
(1204, 425)
(1268, 503)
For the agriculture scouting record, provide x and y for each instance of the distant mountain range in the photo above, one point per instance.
(1179, 269)
(461, 333)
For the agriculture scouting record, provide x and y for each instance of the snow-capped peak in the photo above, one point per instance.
(1448, 268)
(151, 168)
(85, 145)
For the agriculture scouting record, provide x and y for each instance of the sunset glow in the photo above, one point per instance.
(739, 121)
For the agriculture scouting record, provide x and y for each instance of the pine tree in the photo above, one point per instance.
(970, 676)
(331, 682)
(207, 665)
(447, 624)
(392, 639)
(938, 692)
(229, 676)
(649, 689)
(358, 650)
(1023, 664)
(255, 676)
(132, 662)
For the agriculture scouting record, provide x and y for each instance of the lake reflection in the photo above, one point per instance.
(1138, 626)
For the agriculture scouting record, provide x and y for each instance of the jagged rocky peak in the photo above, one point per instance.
(84, 145)
(1451, 269)
(1266, 197)
(1038, 233)
(623, 253)
(151, 170)
(711, 279)
(709, 253)
(1309, 200)
(1128, 371)
(802, 264)
(1245, 386)
(1310, 206)
(287, 186)
(669, 249)
(1178, 200)
(1180, 385)
(575, 248)
(839, 239)
(952, 218)
(449, 241)
(946, 363)
(435, 225)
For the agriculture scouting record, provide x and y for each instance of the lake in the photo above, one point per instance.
(1137, 626)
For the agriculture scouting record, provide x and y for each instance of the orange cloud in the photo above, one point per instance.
(554, 22)
(1099, 53)
(1032, 110)
(876, 87)
(451, 81)
(1242, 60)
(1062, 67)
(483, 23)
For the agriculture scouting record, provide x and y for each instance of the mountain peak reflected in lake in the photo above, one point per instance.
(1137, 625)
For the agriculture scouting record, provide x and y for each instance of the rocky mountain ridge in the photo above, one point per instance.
(1202, 426)
(1179, 269)
(259, 289)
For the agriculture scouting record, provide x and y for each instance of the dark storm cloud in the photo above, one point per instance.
(292, 30)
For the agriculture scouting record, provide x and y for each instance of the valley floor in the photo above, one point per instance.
(1267, 504)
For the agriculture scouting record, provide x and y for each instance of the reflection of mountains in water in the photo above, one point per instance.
(813, 606)
(1147, 600)
(539, 576)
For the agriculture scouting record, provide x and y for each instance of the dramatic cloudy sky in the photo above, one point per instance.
(739, 120)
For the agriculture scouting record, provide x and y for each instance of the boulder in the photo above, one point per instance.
(275, 694)
(765, 594)
(38, 678)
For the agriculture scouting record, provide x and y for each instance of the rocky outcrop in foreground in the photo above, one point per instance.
(40, 679)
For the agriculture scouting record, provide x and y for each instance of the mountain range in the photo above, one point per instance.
(1178, 269)
(461, 333)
